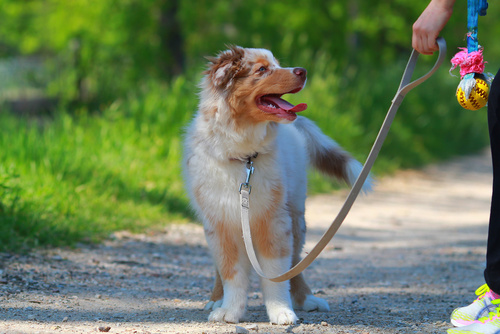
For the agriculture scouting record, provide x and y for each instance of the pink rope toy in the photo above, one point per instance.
(473, 89)
(468, 62)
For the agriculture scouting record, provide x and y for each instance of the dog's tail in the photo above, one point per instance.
(327, 156)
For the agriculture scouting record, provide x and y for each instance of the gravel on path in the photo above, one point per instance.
(407, 255)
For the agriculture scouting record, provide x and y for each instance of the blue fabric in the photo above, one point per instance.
(472, 18)
(474, 9)
(483, 7)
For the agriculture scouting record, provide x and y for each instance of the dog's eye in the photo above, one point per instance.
(262, 69)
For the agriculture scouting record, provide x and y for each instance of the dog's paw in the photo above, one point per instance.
(282, 316)
(313, 303)
(226, 315)
(212, 305)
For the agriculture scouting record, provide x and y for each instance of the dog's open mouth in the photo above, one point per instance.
(274, 104)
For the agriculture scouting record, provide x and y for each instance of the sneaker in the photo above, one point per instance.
(484, 325)
(480, 308)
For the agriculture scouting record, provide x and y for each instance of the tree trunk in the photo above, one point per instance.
(171, 39)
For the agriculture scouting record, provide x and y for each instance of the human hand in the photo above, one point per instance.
(430, 23)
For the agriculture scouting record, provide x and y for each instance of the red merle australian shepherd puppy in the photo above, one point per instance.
(241, 114)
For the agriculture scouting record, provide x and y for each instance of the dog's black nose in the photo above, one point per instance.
(301, 72)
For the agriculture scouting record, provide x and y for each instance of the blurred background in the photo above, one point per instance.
(94, 96)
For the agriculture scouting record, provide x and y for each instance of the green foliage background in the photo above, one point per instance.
(125, 75)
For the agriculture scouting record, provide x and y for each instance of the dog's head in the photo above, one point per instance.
(251, 83)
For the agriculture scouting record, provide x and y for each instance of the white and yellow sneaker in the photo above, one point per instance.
(480, 308)
(484, 325)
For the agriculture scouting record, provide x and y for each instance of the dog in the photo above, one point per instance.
(241, 115)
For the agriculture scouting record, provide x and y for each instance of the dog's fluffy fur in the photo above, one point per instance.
(241, 113)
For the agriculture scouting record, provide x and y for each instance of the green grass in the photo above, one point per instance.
(80, 175)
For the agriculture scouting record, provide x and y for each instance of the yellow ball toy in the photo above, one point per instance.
(478, 96)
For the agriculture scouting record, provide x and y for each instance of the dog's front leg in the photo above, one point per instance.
(277, 295)
(233, 268)
(273, 240)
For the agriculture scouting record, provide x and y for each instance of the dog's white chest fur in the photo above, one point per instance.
(281, 164)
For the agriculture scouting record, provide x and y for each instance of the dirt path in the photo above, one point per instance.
(406, 256)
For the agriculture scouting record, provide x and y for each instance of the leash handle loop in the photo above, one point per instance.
(404, 87)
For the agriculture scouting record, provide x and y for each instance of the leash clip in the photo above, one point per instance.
(250, 170)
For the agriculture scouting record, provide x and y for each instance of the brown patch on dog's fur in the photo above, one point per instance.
(299, 289)
(218, 291)
(332, 162)
(246, 90)
(225, 234)
(230, 62)
(261, 62)
(209, 113)
(268, 243)
(229, 250)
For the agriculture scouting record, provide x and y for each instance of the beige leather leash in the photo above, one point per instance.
(404, 87)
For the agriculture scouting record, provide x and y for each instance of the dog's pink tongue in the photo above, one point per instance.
(285, 105)
(299, 107)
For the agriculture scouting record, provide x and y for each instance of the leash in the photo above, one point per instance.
(404, 87)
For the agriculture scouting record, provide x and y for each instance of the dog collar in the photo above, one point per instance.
(248, 158)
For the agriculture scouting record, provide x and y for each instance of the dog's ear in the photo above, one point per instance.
(226, 66)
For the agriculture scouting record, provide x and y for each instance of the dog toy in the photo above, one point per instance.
(473, 89)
